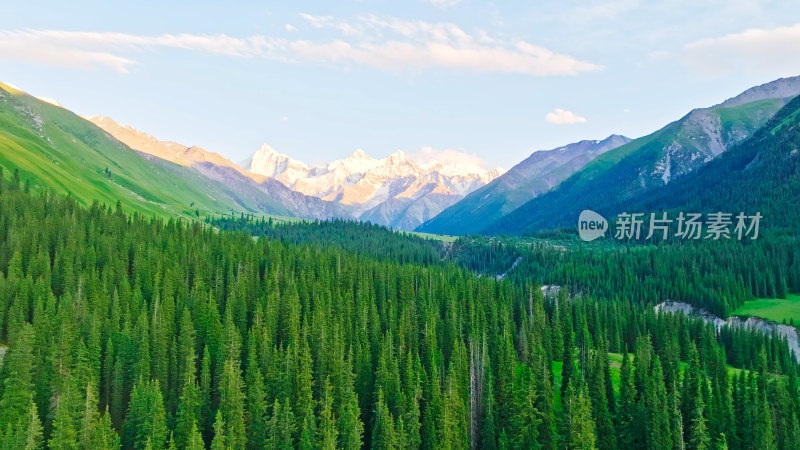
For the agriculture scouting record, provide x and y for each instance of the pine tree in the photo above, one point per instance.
(606, 434)
(327, 433)
(105, 437)
(206, 405)
(189, 408)
(256, 398)
(698, 430)
(65, 433)
(764, 436)
(90, 420)
(454, 427)
(383, 432)
(525, 420)
(489, 426)
(28, 433)
(18, 384)
(627, 415)
(658, 430)
(146, 417)
(219, 441)
(232, 405)
(195, 441)
(281, 427)
(351, 429)
(305, 404)
(579, 431)
(722, 442)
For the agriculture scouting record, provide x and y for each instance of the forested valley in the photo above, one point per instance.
(123, 331)
(717, 276)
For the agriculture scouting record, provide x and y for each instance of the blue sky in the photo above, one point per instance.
(317, 80)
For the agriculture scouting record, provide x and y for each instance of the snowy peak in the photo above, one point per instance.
(268, 162)
(365, 183)
(360, 154)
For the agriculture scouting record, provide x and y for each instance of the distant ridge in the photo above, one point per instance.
(537, 174)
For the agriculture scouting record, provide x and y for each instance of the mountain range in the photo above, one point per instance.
(651, 162)
(54, 148)
(537, 174)
(394, 191)
(254, 193)
(759, 175)
(94, 158)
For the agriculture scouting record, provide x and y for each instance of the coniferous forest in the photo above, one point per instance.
(123, 331)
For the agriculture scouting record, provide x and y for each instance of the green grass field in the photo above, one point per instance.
(435, 237)
(778, 310)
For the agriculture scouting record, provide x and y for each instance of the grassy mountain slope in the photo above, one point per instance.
(760, 175)
(257, 192)
(650, 162)
(58, 150)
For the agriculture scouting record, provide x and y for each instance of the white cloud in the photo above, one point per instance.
(89, 50)
(775, 51)
(329, 22)
(427, 156)
(443, 4)
(284, 118)
(290, 27)
(563, 117)
(33, 46)
(395, 44)
(387, 44)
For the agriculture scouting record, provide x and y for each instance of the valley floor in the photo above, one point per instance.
(780, 310)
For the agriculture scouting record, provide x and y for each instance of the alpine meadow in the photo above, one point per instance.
(374, 278)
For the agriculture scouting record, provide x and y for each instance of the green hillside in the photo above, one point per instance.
(636, 169)
(760, 175)
(55, 149)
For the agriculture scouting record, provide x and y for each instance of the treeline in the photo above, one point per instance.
(718, 276)
(355, 237)
(138, 333)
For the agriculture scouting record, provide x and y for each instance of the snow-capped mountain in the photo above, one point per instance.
(396, 191)
(251, 191)
(272, 164)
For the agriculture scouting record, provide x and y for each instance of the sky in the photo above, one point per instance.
(318, 80)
